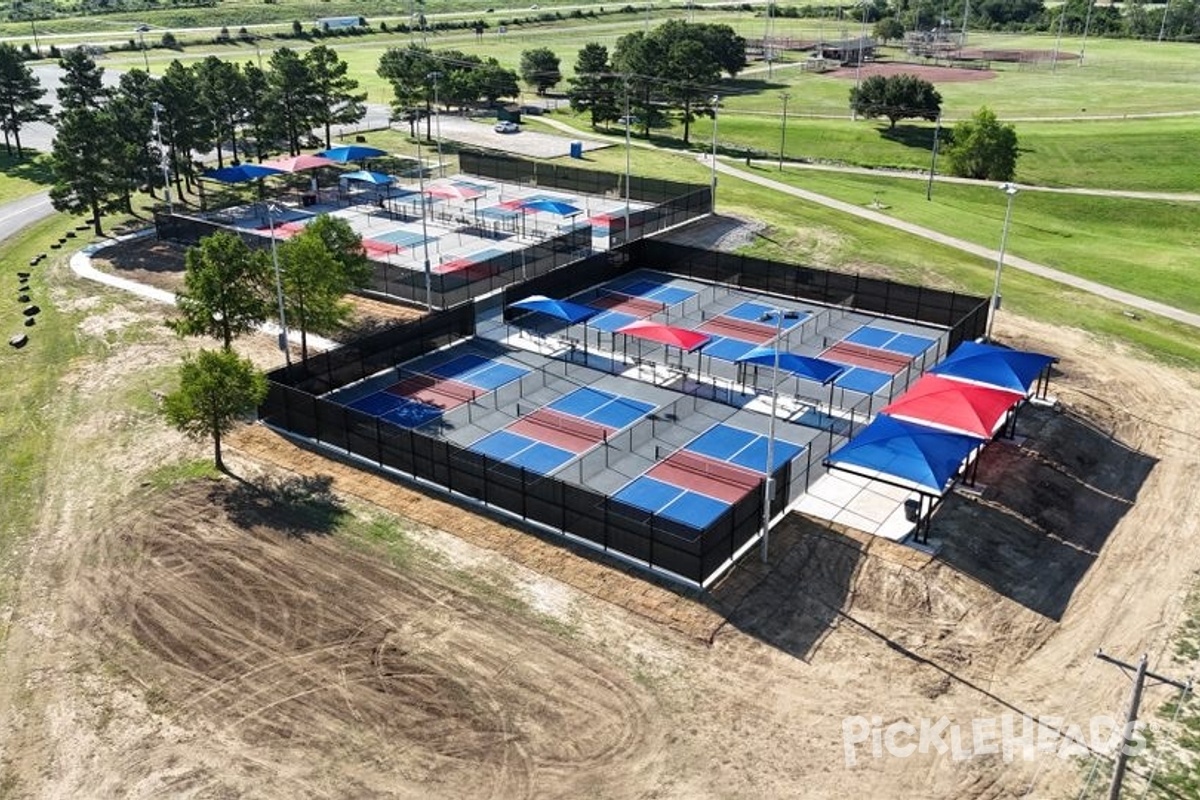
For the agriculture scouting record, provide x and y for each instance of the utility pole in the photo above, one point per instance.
(783, 128)
(937, 132)
(1131, 714)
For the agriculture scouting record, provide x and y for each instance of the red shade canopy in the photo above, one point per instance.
(452, 192)
(300, 163)
(955, 404)
(682, 338)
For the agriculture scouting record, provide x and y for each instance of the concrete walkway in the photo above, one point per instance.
(1010, 261)
(81, 265)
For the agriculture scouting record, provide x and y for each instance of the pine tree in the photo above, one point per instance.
(20, 93)
(86, 149)
(337, 102)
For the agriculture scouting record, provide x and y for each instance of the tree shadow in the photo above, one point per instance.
(31, 168)
(914, 136)
(297, 506)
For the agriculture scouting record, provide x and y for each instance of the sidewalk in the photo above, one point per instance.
(81, 265)
(1010, 261)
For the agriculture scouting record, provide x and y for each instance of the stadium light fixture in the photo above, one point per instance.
(437, 120)
(273, 209)
(769, 482)
(715, 100)
(1011, 190)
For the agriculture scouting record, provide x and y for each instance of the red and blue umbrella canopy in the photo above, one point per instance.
(682, 338)
(1015, 370)
(241, 173)
(559, 309)
(351, 152)
(816, 369)
(966, 407)
(366, 176)
(928, 457)
(299, 163)
(552, 206)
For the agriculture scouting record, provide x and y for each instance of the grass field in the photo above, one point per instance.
(1083, 235)
(22, 177)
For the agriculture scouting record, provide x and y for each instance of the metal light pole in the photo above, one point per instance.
(424, 227)
(862, 38)
(163, 160)
(783, 128)
(716, 103)
(283, 330)
(1062, 16)
(37, 47)
(1011, 190)
(141, 32)
(769, 483)
(1087, 24)
(937, 131)
(627, 150)
(766, 45)
(437, 121)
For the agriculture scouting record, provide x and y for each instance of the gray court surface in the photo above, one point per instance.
(681, 398)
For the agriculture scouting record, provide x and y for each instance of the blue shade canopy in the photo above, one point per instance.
(241, 173)
(559, 309)
(553, 206)
(351, 152)
(995, 366)
(816, 369)
(926, 456)
(365, 176)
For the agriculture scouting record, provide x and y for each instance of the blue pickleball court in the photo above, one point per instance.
(521, 451)
(689, 508)
(742, 447)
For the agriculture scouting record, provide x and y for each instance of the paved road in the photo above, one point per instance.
(24, 212)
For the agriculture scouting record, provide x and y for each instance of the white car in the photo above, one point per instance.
(505, 126)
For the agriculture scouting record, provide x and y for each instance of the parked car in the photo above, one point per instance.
(505, 126)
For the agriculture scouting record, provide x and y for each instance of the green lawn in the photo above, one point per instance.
(22, 177)
(1082, 235)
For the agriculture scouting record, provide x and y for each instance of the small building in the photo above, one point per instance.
(340, 23)
(509, 113)
(847, 51)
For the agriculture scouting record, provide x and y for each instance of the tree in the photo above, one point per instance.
(258, 121)
(889, 28)
(896, 97)
(313, 286)
(185, 125)
(333, 89)
(493, 81)
(82, 158)
(216, 388)
(135, 161)
(982, 147)
(406, 68)
(222, 91)
(636, 56)
(594, 88)
(223, 293)
(693, 72)
(540, 68)
(292, 101)
(20, 93)
(345, 244)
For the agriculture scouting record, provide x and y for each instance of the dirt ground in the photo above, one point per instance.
(272, 635)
